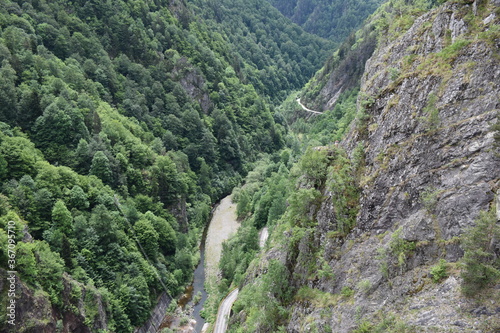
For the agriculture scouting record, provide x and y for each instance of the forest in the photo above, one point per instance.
(121, 124)
(334, 20)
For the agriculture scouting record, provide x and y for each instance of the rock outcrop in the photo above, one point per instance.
(82, 310)
(430, 98)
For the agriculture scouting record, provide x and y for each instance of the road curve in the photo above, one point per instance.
(263, 235)
(225, 311)
(306, 109)
(226, 305)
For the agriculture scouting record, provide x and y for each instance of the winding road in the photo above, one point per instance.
(307, 109)
(225, 311)
(226, 305)
(263, 236)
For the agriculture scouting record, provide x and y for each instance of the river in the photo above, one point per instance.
(223, 225)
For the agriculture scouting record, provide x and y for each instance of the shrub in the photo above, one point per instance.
(439, 271)
(481, 267)
(400, 247)
(346, 291)
(364, 285)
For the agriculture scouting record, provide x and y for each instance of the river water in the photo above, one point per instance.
(198, 288)
(223, 225)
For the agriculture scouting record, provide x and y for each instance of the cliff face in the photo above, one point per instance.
(430, 98)
(83, 308)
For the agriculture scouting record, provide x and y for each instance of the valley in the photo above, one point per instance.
(253, 166)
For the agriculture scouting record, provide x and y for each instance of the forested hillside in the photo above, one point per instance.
(121, 124)
(332, 19)
(343, 70)
(274, 54)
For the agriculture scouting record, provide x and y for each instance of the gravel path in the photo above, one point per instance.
(224, 224)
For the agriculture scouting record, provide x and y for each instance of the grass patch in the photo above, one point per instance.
(383, 323)
(316, 297)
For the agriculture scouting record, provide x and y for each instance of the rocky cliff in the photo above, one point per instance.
(428, 101)
(83, 308)
(431, 97)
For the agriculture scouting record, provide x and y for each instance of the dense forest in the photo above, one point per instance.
(334, 20)
(121, 124)
(275, 55)
(325, 269)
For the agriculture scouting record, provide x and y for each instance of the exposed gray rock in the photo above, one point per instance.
(428, 177)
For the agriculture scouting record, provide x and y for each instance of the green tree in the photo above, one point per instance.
(59, 130)
(82, 156)
(104, 225)
(481, 266)
(244, 204)
(101, 167)
(300, 204)
(20, 155)
(78, 198)
(147, 237)
(8, 96)
(26, 263)
(167, 180)
(314, 165)
(167, 239)
(50, 267)
(61, 218)
(43, 202)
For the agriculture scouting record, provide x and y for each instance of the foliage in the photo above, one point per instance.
(346, 291)
(400, 248)
(313, 165)
(237, 253)
(345, 192)
(364, 286)
(429, 198)
(346, 66)
(263, 301)
(432, 112)
(317, 297)
(439, 271)
(327, 127)
(383, 323)
(481, 266)
(114, 118)
(272, 53)
(300, 203)
(330, 19)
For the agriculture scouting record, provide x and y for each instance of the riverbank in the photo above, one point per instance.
(224, 224)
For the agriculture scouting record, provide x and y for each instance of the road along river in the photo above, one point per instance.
(227, 303)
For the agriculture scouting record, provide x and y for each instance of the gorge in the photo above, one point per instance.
(124, 123)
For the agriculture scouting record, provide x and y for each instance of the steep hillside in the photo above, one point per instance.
(332, 19)
(396, 229)
(343, 70)
(274, 54)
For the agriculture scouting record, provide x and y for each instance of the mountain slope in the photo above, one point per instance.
(330, 19)
(384, 232)
(271, 52)
(121, 123)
